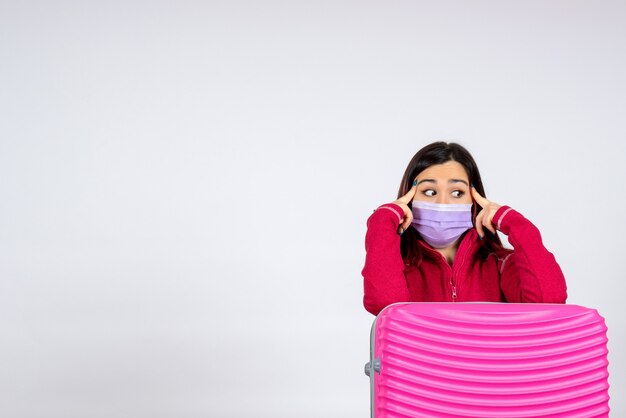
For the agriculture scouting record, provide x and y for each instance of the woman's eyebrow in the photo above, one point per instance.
(427, 180)
(451, 181)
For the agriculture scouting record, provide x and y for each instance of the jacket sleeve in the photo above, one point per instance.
(384, 282)
(530, 273)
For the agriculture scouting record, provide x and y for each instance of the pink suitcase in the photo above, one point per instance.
(488, 360)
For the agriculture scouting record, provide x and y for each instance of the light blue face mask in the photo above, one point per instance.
(441, 224)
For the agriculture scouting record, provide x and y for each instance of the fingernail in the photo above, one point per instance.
(480, 236)
(414, 182)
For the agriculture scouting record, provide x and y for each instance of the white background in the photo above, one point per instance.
(184, 185)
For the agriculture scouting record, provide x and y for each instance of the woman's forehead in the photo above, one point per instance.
(450, 170)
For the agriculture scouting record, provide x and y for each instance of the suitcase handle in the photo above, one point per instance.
(375, 367)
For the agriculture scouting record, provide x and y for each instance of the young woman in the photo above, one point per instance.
(438, 243)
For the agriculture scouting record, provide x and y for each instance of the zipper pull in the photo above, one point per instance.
(453, 293)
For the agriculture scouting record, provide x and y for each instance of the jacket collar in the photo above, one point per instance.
(467, 245)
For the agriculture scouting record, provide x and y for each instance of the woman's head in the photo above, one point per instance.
(444, 173)
(439, 153)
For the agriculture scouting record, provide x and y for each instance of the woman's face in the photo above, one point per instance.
(443, 183)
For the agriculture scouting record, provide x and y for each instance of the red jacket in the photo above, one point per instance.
(528, 273)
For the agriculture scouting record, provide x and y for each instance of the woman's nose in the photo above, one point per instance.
(441, 198)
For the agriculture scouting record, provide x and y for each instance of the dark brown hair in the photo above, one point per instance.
(439, 153)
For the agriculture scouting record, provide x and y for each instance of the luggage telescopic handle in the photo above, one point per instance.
(369, 367)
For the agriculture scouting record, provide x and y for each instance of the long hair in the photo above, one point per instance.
(439, 153)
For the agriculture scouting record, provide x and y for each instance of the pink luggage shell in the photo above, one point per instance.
(488, 360)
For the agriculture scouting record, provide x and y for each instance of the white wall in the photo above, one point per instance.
(184, 185)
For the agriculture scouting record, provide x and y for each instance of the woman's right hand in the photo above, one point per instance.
(403, 202)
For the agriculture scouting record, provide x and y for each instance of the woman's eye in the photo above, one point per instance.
(457, 193)
(429, 192)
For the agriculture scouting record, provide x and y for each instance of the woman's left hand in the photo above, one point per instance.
(485, 217)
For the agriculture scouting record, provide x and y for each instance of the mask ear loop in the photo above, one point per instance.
(474, 209)
(474, 213)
